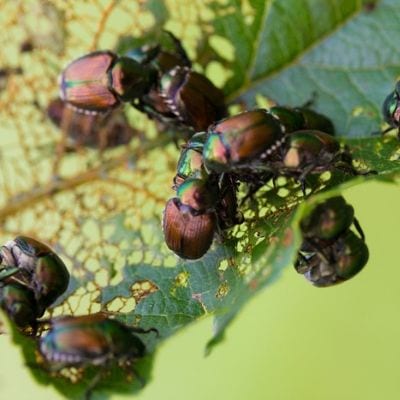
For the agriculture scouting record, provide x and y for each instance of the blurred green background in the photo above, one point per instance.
(293, 341)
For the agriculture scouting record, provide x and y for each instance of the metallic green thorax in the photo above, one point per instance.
(190, 164)
(216, 153)
(389, 108)
(196, 194)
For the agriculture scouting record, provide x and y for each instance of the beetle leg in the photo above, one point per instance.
(311, 100)
(179, 48)
(139, 377)
(303, 176)
(137, 329)
(388, 129)
(358, 228)
(92, 384)
(7, 272)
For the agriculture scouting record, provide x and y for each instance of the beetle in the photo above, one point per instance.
(300, 118)
(39, 269)
(310, 152)
(180, 97)
(329, 219)
(189, 221)
(100, 81)
(101, 131)
(19, 302)
(391, 110)
(331, 252)
(200, 209)
(334, 262)
(96, 339)
(235, 141)
(191, 98)
(156, 81)
(186, 232)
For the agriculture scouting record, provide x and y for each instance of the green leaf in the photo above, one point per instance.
(101, 210)
(342, 51)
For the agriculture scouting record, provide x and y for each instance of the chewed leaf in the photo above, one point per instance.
(100, 206)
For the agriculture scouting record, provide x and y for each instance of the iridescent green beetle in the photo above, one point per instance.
(39, 269)
(80, 341)
(234, 142)
(100, 81)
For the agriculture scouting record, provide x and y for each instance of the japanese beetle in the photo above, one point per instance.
(101, 131)
(328, 219)
(187, 233)
(189, 220)
(310, 152)
(19, 302)
(299, 118)
(331, 252)
(201, 207)
(179, 97)
(39, 269)
(80, 341)
(89, 339)
(234, 141)
(192, 98)
(334, 262)
(391, 110)
(100, 81)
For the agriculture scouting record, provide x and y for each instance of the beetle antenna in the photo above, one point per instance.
(136, 329)
(359, 229)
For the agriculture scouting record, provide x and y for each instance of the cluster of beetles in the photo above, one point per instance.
(33, 277)
(220, 153)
